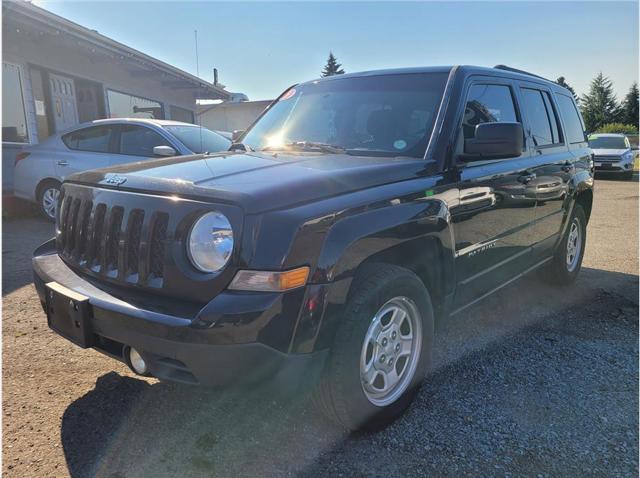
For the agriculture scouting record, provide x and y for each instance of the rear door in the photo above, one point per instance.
(552, 164)
(493, 220)
(136, 142)
(86, 148)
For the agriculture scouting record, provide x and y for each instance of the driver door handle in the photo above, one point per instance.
(63, 162)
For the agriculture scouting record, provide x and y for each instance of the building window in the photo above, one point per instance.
(181, 114)
(122, 105)
(14, 119)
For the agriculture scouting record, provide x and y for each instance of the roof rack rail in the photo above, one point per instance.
(515, 70)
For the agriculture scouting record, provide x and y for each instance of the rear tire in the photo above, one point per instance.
(567, 260)
(379, 356)
(47, 196)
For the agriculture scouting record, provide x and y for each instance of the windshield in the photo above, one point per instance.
(191, 137)
(388, 114)
(608, 142)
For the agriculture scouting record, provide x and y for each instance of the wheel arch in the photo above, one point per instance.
(584, 198)
(422, 244)
(43, 182)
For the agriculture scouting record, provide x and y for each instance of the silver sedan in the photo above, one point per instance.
(40, 169)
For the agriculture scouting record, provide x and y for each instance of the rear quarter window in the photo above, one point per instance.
(96, 139)
(572, 121)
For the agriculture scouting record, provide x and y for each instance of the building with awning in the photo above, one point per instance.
(57, 74)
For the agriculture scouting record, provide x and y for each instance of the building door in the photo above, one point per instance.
(63, 99)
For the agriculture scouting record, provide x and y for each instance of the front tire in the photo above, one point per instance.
(567, 260)
(47, 196)
(382, 349)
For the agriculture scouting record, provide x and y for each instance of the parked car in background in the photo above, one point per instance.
(353, 214)
(40, 169)
(612, 153)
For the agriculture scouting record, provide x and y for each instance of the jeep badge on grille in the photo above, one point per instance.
(116, 180)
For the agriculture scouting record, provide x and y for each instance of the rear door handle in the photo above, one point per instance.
(63, 162)
(526, 178)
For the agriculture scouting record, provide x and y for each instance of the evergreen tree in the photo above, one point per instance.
(599, 106)
(630, 113)
(561, 81)
(332, 67)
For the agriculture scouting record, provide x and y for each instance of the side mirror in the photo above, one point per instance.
(495, 141)
(235, 136)
(164, 151)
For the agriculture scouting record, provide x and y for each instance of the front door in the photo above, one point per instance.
(63, 99)
(493, 220)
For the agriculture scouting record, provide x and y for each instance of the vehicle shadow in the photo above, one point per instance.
(136, 427)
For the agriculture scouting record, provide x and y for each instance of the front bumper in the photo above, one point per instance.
(614, 167)
(232, 339)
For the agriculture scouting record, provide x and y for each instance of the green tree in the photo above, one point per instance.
(599, 106)
(561, 81)
(630, 113)
(619, 128)
(332, 67)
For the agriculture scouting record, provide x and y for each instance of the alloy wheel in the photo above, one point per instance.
(391, 351)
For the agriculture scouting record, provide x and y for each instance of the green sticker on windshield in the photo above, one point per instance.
(429, 192)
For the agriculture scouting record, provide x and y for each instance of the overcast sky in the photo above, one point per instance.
(261, 48)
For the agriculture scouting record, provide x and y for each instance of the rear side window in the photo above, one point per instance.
(573, 123)
(487, 104)
(139, 141)
(96, 139)
(542, 118)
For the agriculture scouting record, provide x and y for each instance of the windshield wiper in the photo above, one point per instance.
(307, 146)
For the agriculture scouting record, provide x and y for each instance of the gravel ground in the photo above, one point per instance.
(535, 381)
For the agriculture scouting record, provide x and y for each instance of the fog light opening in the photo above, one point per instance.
(135, 361)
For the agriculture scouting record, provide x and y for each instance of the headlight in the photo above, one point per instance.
(628, 156)
(210, 242)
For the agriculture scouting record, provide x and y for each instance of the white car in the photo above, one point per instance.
(612, 153)
(40, 169)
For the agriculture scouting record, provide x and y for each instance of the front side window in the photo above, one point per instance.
(96, 139)
(387, 115)
(198, 139)
(140, 141)
(542, 120)
(14, 119)
(122, 105)
(487, 104)
(572, 121)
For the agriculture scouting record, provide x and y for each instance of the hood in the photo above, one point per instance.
(610, 152)
(255, 181)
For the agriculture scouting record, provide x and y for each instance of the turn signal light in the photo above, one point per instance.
(270, 281)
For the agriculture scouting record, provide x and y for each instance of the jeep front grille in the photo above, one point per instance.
(133, 239)
(113, 242)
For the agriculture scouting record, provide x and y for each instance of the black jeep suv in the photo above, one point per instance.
(355, 212)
